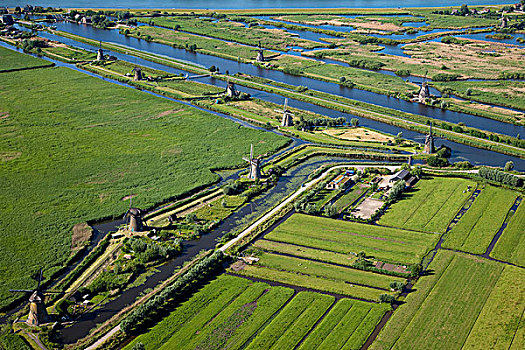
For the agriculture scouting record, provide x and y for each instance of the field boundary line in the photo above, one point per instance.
(415, 210)
(442, 205)
(517, 328)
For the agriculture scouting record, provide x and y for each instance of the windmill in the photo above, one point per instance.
(134, 218)
(37, 309)
(231, 91)
(504, 21)
(287, 119)
(424, 91)
(255, 171)
(429, 146)
(100, 52)
(260, 53)
(138, 73)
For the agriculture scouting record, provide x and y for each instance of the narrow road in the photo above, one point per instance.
(104, 338)
(292, 197)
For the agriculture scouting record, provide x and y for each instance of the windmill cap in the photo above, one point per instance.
(135, 211)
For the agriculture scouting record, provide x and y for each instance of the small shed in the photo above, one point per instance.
(400, 175)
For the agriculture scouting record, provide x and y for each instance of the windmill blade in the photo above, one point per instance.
(285, 104)
(246, 159)
(40, 278)
(52, 292)
(278, 111)
(21, 291)
(251, 152)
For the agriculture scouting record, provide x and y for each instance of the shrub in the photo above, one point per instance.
(500, 176)
(387, 298)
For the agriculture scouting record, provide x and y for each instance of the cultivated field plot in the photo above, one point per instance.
(385, 243)
(511, 245)
(74, 152)
(430, 206)
(475, 230)
(456, 304)
(11, 60)
(235, 313)
(320, 276)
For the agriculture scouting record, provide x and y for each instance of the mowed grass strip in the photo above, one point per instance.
(447, 315)
(406, 311)
(430, 206)
(11, 60)
(304, 252)
(347, 325)
(293, 322)
(475, 230)
(210, 299)
(498, 324)
(312, 282)
(386, 243)
(323, 270)
(511, 245)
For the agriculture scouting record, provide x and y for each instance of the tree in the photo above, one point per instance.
(191, 217)
(386, 298)
(223, 203)
(354, 122)
(342, 79)
(509, 165)
(417, 171)
(469, 91)
(212, 69)
(398, 137)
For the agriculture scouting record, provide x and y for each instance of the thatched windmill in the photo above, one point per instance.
(100, 52)
(255, 166)
(424, 91)
(134, 218)
(287, 119)
(137, 73)
(231, 91)
(260, 53)
(37, 309)
(429, 147)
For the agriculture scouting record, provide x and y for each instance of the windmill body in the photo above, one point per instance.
(255, 166)
(429, 143)
(260, 53)
(137, 73)
(134, 216)
(287, 118)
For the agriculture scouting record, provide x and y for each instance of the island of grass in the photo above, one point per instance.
(74, 153)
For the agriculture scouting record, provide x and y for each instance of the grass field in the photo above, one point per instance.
(430, 206)
(511, 245)
(445, 305)
(74, 152)
(346, 326)
(388, 244)
(11, 60)
(305, 252)
(501, 323)
(475, 230)
(235, 313)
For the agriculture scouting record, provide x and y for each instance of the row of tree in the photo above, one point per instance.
(182, 286)
(500, 176)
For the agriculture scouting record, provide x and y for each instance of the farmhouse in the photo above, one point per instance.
(400, 175)
(340, 182)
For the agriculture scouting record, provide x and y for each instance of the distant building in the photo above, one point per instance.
(411, 181)
(86, 20)
(7, 20)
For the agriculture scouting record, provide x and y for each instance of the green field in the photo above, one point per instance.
(511, 245)
(235, 313)
(74, 152)
(475, 230)
(346, 326)
(11, 60)
(430, 206)
(445, 305)
(388, 244)
(305, 252)
(319, 276)
(501, 323)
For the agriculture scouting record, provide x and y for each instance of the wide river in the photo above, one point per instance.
(248, 4)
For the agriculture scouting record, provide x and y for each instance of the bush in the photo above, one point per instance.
(397, 190)
(445, 77)
(403, 72)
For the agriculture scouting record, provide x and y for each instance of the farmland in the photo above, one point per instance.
(235, 313)
(511, 245)
(68, 163)
(430, 206)
(445, 306)
(394, 245)
(474, 231)
(10, 60)
(319, 276)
